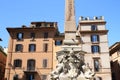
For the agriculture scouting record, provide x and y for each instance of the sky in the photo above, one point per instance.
(15, 13)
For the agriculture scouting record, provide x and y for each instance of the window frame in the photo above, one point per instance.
(94, 27)
(31, 63)
(20, 36)
(32, 47)
(45, 63)
(95, 49)
(19, 48)
(45, 47)
(18, 63)
(95, 38)
(96, 65)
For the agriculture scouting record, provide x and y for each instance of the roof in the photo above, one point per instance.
(114, 47)
(42, 22)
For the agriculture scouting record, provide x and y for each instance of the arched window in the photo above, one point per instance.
(18, 63)
(31, 64)
(19, 36)
(19, 48)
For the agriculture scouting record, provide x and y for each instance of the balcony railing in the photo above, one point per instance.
(30, 69)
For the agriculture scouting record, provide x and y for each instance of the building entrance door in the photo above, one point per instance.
(30, 77)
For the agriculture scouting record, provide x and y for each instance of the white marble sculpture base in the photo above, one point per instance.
(74, 47)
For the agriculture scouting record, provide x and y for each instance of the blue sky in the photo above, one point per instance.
(15, 13)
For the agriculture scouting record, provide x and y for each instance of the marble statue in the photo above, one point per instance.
(71, 66)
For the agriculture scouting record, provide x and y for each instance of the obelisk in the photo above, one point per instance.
(70, 23)
(70, 58)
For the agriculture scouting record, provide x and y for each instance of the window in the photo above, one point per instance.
(45, 47)
(44, 77)
(19, 48)
(45, 35)
(31, 64)
(93, 27)
(44, 63)
(32, 36)
(19, 36)
(96, 65)
(32, 47)
(17, 63)
(95, 49)
(94, 38)
(58, 42)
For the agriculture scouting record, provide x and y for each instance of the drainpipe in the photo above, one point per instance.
(10, 57)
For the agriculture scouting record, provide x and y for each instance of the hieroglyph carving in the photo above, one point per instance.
(70, 9)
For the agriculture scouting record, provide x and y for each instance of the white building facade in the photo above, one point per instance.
(94, 39)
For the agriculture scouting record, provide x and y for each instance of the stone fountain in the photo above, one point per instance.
(70, 58)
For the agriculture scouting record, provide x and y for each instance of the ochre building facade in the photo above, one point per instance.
(30, 52)
(3, 57)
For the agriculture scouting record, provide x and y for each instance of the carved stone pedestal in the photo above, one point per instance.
(71, 65)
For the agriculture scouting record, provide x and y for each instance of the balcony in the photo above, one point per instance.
(30, 70)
